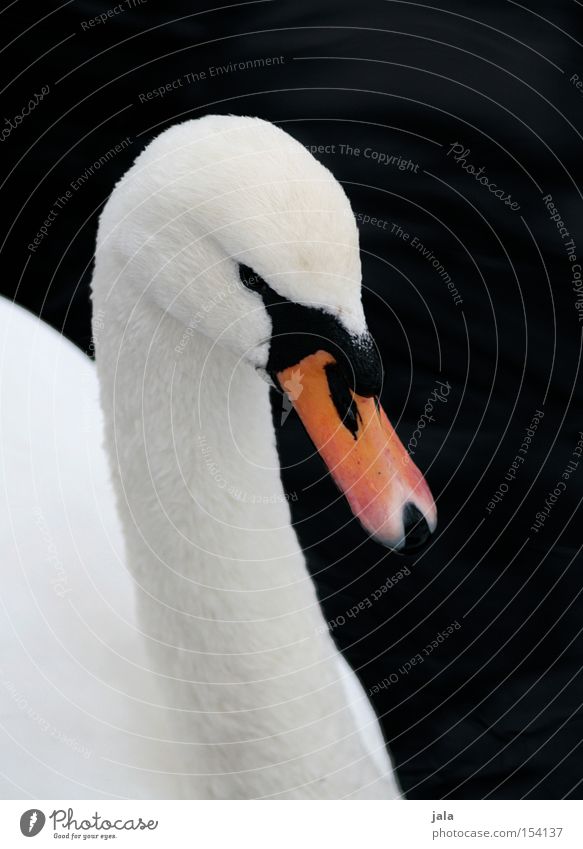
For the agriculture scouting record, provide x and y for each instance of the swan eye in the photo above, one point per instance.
(251, 280)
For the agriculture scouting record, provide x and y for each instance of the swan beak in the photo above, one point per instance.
(385, 489)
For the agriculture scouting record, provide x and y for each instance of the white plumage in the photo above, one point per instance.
(244, 698)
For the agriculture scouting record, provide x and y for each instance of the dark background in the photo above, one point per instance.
(495, 709)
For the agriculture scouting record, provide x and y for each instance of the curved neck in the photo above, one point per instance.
(240, 646)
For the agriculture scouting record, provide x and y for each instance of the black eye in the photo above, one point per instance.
(250, 279)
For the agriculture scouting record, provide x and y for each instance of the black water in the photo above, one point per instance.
(463, 287)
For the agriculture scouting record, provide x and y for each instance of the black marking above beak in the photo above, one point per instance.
(298, 331)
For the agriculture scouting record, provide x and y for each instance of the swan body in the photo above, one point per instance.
(79, 715)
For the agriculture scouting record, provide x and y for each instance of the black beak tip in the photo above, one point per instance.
(417, 530)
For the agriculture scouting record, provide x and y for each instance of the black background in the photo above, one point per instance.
(495, 710)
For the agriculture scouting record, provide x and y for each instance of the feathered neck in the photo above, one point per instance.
(235, 632)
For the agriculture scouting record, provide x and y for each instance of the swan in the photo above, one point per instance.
(227, 261)
(206, 670)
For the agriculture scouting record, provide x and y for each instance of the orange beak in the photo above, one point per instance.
(363, 453)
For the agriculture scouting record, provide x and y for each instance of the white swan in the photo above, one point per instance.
(255, 705)
(227, 249)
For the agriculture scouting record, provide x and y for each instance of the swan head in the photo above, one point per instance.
(231, 225)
